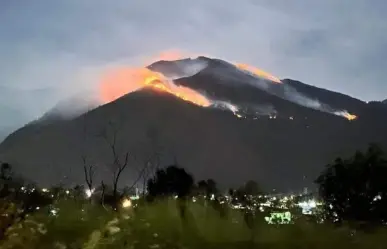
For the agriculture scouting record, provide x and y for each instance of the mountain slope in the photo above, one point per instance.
(18, 106)
(284, 153)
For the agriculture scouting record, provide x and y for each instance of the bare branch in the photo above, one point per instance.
(140, 175)
(118, 166)
(89, 169)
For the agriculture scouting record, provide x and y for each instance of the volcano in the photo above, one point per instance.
(279, 133)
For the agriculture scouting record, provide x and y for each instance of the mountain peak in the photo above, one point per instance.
(252, 127)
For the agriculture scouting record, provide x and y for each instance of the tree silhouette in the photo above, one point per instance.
(5, 179)
(246, 194)
(89, 171)
(88, 167)
(207, 187)
(120, 159)
(33, 200)
(251, 188)
(355, 189)
(170, 181)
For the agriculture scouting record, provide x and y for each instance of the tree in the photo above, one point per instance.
(252, 188)
(35, 199)
(246, 194)
(207, 187)
(88, 170)
(149, 157)
(355, 189)
(5, 171)
(120, 159)
(172, 180)
(5, 178)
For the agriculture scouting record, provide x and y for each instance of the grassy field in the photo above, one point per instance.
(159, 225)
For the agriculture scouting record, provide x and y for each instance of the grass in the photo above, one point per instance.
(158, 225)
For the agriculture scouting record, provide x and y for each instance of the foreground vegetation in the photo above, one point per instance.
(77, 224)
(177, 212)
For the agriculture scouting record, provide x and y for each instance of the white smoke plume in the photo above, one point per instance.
(176, 69)
(226, 73)
(189, 69)
(291, 94)
(225, 106)
(247, 109)
(261, 110)
(294, 96)
(74, 106)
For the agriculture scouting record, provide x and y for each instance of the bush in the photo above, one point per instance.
(75, 224)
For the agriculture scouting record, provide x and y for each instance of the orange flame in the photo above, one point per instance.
(258, 72)
(346, 114)
(350, 116)
(125, 80)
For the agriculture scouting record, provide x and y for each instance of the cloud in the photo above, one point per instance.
(65, 45)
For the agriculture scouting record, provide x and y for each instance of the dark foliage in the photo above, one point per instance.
(32, 201)
(170, 181)
(5, 178)
(251, 188)
(207, 187)
(29, 199)
(246, 193)
(355, 189)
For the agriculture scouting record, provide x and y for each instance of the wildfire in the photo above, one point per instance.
(346, 115)
(258, 72)
(350, 117)
(125, 80)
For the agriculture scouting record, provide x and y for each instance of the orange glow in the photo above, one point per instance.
(346, 115)
(350, 117)
(125, 80)
(171, 55)
(258, 72)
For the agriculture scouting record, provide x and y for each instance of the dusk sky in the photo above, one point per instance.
(65, 45)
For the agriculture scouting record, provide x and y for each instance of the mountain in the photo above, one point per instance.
(297, 131)
(18, 106)
(71, 107)
(384, 101)
(4, 132)
(11, 119)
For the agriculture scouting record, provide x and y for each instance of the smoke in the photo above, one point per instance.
(294, 96)
(258, 72)
(270, 85)
(245, 110)
(77, 105)
(172, 65)
(187, 68)
(224, 105)
(230, 74)
(261, 110)
(246, 74)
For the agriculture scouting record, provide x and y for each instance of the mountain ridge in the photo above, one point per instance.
(209, 142)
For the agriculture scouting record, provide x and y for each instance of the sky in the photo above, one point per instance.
(51, 49)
